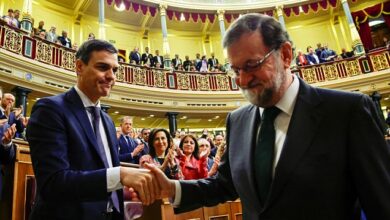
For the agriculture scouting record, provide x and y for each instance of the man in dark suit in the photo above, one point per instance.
(65, 41)
(129, 150)
(11, 114)
(158, 59)
(7, 149)
(212, 62)
(296, 152)
(135, 56)
(146, 57)
(74, 149)
(176, 61)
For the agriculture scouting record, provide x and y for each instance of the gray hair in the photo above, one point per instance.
(274, 35)
(125, 118)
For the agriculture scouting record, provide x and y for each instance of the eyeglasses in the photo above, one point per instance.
(250, 66)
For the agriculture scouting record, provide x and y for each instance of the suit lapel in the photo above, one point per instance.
(80, 113)
(111, 138)
(241, 155)
(303, 126)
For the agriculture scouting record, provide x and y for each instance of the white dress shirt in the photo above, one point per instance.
(113, 173)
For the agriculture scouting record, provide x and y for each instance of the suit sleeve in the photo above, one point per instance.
(210, 191)
(49, 138)
(7, 155)
(370, 160)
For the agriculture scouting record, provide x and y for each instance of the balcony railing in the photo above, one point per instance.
(20, 43)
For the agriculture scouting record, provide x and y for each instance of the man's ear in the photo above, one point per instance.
(286, 53)
(79, 66)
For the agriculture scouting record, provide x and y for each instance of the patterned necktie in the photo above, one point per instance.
(95, 112)
(264, 152)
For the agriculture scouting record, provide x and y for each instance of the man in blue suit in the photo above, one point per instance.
(7, 149)
(74, 149)
(296, 152)
(129, 150)
(13, 115)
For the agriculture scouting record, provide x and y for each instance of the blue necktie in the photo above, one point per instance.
(95, 112)
(264, 152)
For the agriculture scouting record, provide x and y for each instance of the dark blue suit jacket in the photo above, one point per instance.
(12, 120)
(6, 157)
(125, 150)
(69, 170)
(334, 153)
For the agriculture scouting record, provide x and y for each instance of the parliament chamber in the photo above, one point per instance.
(32, 67)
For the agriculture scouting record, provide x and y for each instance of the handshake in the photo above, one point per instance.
(151, 183)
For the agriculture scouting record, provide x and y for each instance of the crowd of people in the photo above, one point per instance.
(184, 156)
(199, 64)
(321, 54)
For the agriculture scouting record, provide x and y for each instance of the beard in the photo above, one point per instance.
(264, 97)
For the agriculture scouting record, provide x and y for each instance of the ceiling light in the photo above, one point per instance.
(116, 112)
(151, 116)
(37, 99)
(210, 119)
(142, 119)
(184, 117)
(216, 117)
(121, 7)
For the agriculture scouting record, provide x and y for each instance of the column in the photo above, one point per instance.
(166, 50)
(21, 94)
(279, 12)
(105, 107)
(356, 42)
(26, 23)
(376, 98)
(172, 122)
(102, 29)
(221, 19)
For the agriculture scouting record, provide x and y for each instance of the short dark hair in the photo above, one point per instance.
(196, 148)
(274, 35)
(152, 151)
(85, 50)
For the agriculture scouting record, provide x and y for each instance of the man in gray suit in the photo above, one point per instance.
(296, 152)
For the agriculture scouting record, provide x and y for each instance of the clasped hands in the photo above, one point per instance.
(150, 184)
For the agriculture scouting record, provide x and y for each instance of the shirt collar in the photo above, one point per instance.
(86, 101)
(287, 103)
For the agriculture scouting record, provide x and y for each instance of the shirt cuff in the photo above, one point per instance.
(7, 146)
(177, 199)
(113, 179)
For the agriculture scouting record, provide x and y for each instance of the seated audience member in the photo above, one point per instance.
(51, 35)
(158, 60)
(11, 114)
(301, 59)
(65, 41)
(147, 58)
(327, 55)
(202, 65)
(129, 150)
(193, 165)
(346, 54)
(192, 68)
(219, 143)
(212, 163)
(176, 61)
(7, 149)
(91, 36)
(180, 67)
(212, 62)
(162, 153)
(312, 57)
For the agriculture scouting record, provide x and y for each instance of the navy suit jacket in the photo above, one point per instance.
(125, 150)
(12, 120)
(63, 41)
(334, 153)
(69, 170)
(6, 157)
(136, 56)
